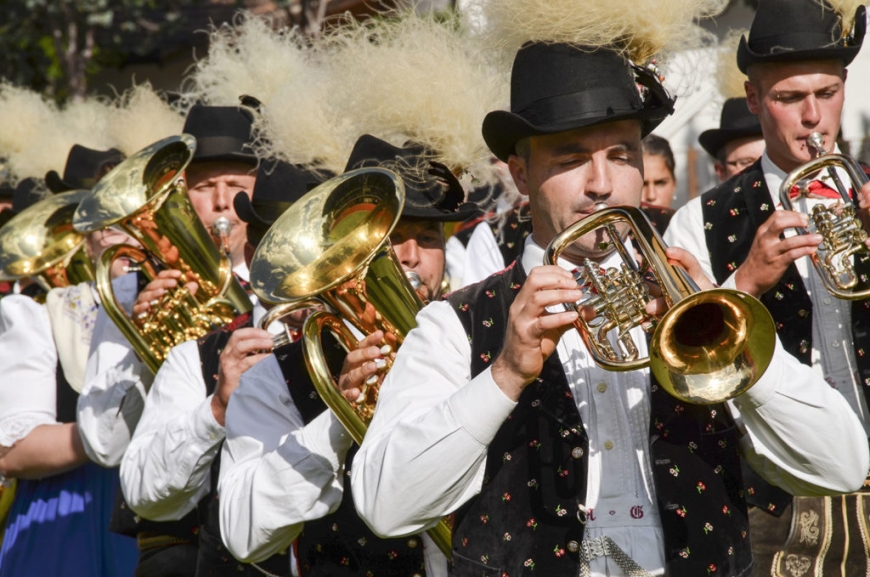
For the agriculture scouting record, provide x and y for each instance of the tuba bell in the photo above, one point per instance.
(843, 235)
(41, 243)
(146, 197)
(710, 346)
(332, 246)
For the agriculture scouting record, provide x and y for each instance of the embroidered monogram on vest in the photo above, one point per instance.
(525, 519)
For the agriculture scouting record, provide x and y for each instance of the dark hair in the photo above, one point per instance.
(658, 146)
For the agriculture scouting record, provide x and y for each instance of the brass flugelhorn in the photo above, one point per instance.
(146, 197)
(710, 346)
(41, 243)
(843, 235)
(332, 246)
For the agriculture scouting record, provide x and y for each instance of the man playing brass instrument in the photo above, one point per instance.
(795, 57)
(286, 459)
(494, 412)
(118, 383)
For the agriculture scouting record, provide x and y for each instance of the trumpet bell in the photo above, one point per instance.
(712, 346)
(41, 242)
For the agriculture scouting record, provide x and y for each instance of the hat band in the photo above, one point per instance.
(207, 146)
(593, 103)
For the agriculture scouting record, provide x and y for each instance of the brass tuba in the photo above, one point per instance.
(710, 346)
(843, 235)
(333, 246)
(146, 197)
(41, 243)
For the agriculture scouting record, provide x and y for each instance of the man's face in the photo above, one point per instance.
(568, 173)
(419, 245)
(211, 188)
(97, 242)
(793, 100)
(738, 155)
(659, 184)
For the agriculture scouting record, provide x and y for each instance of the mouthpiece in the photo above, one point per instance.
(817, 141)
(414, 279)
(222, 227)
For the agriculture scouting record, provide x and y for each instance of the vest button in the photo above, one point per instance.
(608, 445)
(412, 543)
(602, 387)
(573, 546)
(577, 452)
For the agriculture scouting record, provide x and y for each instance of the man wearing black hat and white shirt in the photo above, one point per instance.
(737, 143)
(550, 464)
(795, 57)
(117, 382)
(285, 461)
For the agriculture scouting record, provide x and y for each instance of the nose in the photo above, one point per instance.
(408, 253)
(811, 115)
(599, 184)
(221, 197)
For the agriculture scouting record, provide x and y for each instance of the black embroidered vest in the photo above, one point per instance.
(341, 543)
(525, 519)
(732, 214)
(214, 560)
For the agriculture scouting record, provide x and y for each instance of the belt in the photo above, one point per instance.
(146, 540)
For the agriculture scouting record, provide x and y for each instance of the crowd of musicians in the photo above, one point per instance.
(162, 402)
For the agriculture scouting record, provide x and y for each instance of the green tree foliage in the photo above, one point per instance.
(54, 46)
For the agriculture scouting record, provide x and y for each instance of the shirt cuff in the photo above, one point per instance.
(482, 391)
(205, 426)
(325, 436)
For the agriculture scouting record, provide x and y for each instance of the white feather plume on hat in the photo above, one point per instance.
(846, 10)
(640, 29)
(728, 76)
(407, 76)
(139, 117)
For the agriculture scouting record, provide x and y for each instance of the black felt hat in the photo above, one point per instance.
(559, 87)
(84, 167)
(28, 192)
(795, 30)
(735, 122)
(432, 191)
(279, 184)
(223, 133)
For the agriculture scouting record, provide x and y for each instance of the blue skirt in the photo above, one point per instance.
(59, 526)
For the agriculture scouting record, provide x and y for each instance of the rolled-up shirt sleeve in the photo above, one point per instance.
(276, 471)
(166, 469)
(425, 452)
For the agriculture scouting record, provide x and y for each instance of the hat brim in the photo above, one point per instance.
(55, 183)
(502, 129)
(715, 139)
(465, 211)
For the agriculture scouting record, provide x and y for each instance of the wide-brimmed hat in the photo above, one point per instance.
(432, 191)
(84, 167)
(27, 192)
(223, 133)
(560, 87)
(279, 184)
(795, 30)
(736, 121)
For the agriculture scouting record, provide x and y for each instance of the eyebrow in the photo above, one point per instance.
(574, 148)
(796, 92)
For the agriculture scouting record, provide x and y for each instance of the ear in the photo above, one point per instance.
(520, 173)
(753, 98)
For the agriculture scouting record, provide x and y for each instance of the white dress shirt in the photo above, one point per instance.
(116, 382)
(833, 355)
(28, 368)
(425, 451)
(277, 473)
(165, 470)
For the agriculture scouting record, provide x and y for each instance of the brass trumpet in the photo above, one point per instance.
(332, 246)
(843, 235)
(710, 346)
(146, 197)
(41, 243)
